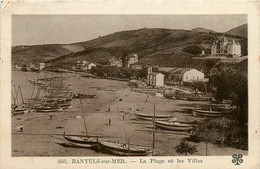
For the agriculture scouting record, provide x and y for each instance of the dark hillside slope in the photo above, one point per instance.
(239, 31)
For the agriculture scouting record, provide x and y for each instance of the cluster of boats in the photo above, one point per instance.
(190, 97)
(211, 111)
(104, 145)
(107, 146)
(56, 97)
(167, 122)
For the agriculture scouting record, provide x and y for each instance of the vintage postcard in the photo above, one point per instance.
(130, 84)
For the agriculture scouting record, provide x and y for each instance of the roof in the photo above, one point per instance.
(154, 73)
(180, 70)
(167, 69)
(132, 55)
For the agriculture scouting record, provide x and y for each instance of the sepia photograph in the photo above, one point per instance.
(129, 85)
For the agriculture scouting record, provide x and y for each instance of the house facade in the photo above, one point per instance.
(180, 75)
(115, 62)
(155, 79)
(91, 65)
(131, 59)
(40, 66)
(136, 66)
(226, 48)
(83, 66)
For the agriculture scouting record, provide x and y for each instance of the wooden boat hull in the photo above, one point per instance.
(19, 111)
(120, 149)
(49, 110)
(173, 127)
(208, 113)
(150, 117)
(84, 96)
(81, 141)
(64, 106)
(192, 98)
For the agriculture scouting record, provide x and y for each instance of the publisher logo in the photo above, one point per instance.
(237, 159)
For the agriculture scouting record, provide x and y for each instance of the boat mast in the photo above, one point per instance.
(13, 97)
(210, 108)
(153, 127)
(16, 95)
(21, 94)
(118, 116)
(83, 116)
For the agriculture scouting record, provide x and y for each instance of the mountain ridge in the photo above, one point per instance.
(167, 44)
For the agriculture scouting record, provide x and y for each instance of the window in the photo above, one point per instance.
(186, 77)
(197, 77)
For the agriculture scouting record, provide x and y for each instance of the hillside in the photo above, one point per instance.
(41, 53)
(199, 29)
(153, 46)
(240, 31)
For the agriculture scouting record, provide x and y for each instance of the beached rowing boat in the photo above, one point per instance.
(81, 141)
(208, 113)
(121, 149)
(198, 98)
(150, 116)
(18, 111)
(83, 96)
(49, 109)
(174, 125)
(62, 105)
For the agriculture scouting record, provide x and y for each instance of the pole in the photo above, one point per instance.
(21, 94)
(83, 116)
(210, 108)
(16, 96)
(128, 146)
(13, 97)
(33, 91)
(153, 128)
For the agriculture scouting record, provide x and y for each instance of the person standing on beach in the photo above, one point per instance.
(21, 128)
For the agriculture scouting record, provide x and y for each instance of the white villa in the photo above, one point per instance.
(180, 75)
(131, 59)
(155, 79)
(226, 48)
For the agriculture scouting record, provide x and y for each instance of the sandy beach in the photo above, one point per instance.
(41, 134)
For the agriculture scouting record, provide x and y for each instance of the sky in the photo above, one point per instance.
(64, 29)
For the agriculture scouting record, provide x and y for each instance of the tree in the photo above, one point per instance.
(192, 49)
(231, 84)
(215, 131)
(185, 148)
